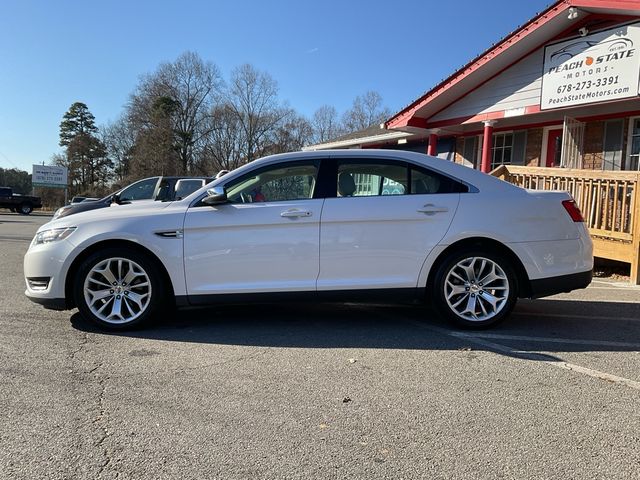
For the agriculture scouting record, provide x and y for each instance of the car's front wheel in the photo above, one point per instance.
(118, 288)
(475, 289)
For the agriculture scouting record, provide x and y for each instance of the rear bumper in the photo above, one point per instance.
(543, 287)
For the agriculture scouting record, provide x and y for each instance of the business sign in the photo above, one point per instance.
(49, 176)
(595, 68)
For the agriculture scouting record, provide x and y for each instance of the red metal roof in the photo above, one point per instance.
(407, 117)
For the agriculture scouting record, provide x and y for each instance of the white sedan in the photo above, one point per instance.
(350, 225)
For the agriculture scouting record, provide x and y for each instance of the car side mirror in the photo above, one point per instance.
(115, 198)
(215, 196)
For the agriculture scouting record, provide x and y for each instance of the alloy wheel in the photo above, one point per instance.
(117, 290)
(476, 289)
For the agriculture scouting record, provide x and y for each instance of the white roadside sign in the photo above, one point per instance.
(600, 67)
(49, 176)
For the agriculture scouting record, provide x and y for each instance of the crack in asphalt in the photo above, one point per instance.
(96, 376)
(99, 421)
(241, 358)
(83, 342)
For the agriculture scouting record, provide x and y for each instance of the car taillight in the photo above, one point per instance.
(573, 210)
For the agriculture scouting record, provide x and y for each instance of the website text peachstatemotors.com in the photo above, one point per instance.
(576, 91)
(588, 95)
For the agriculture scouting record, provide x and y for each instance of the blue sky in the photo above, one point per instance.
(53, 53)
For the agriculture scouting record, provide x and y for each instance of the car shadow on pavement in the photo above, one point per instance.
(536, 326)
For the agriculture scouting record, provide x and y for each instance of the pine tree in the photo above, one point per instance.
(85, 155)
(78, 120)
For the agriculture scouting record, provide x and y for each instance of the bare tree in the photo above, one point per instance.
(366, 110)
(155, 151)
(225, 148)
(325, 124)
(253, 97)
(293, 133)
(176, 100)
(119, 137)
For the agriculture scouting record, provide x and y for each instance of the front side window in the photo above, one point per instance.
(142, 190)
(276, 183)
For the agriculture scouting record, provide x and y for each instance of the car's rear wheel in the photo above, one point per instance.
(26, 208)
(475, 289)
(118, 289)
(12, 209)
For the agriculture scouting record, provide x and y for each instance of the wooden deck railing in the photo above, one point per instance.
(609, 201)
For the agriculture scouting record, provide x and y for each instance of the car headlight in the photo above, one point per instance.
(53, 235)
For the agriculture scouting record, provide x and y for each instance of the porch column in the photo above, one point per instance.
(487, 143)
(432, 149)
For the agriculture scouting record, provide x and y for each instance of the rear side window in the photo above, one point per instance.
(185, 187)
(361, 178)
(425, 181)
(372, 179)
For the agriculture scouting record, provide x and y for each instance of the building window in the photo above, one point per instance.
(470, 152)
(509, 148)
(612, 145)
(366, 185)
(502, 149)
(634, 143)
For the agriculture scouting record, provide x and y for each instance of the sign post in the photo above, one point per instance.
(51, 176)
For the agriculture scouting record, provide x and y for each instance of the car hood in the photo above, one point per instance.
(139, 209)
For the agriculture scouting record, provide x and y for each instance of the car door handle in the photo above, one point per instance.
(431, 209)
(295, 213)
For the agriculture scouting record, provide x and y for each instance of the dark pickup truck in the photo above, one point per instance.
(18, 203)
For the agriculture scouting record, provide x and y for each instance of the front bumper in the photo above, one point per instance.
(49, 261)
(49, 303)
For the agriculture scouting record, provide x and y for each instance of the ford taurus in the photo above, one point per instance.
(339, 225)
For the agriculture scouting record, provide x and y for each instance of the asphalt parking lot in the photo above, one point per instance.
(319, 391)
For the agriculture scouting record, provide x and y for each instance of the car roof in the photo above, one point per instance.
(466, 174)
(185, 177)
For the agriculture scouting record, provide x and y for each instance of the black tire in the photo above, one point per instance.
(12, 209)
(26, 208)
(85, 289)
(474, 295)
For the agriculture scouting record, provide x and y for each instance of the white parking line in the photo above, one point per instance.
(568, 341)
(476, 338)
(579, 317)
(558, 364)
(624, 285)
(473, 338)
(603, 288)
